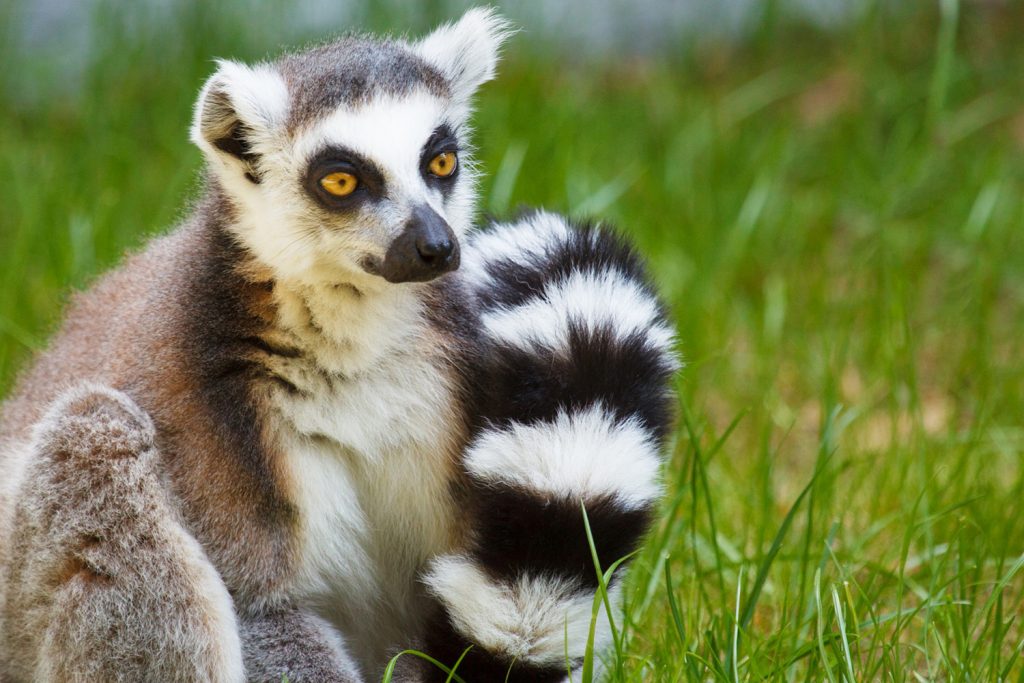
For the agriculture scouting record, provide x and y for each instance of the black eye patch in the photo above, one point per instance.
(442, 140)
(333, 159)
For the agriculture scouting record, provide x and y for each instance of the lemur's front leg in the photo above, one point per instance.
(574, 406)
(102, 582)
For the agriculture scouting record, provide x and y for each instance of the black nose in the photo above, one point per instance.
(434, 249)
(426, 248)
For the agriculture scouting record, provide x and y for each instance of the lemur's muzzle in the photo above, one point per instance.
(426, 249)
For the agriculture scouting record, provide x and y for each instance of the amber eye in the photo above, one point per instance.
(444, 164)
(339, 183)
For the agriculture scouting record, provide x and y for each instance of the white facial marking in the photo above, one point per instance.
(389, 131)
(304, 242)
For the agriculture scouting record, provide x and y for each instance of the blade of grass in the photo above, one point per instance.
(389, 671)
(842, 632)
(773, 551)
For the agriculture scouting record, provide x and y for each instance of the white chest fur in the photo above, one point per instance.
(370, 455)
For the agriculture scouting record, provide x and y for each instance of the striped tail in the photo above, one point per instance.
(572, 409)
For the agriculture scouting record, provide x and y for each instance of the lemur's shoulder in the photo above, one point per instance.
(175, 327)
(100, 338)
(130, 322)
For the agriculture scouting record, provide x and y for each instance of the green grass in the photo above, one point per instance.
(837, 223)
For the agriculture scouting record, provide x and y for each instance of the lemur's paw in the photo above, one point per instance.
(93, 422)
(94, 468)
(108, 585)
(295, 645)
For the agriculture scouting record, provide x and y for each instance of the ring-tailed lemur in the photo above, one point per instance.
(291, 438)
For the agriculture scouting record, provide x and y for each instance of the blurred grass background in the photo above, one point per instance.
(833, 210)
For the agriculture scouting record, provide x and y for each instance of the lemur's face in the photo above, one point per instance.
(350, 162)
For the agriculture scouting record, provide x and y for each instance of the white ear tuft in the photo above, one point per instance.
(467, 51)
(238, 107)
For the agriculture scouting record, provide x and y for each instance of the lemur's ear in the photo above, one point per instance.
(467, 51)
(238, 107)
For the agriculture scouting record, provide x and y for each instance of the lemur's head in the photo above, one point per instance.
(350, 161)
